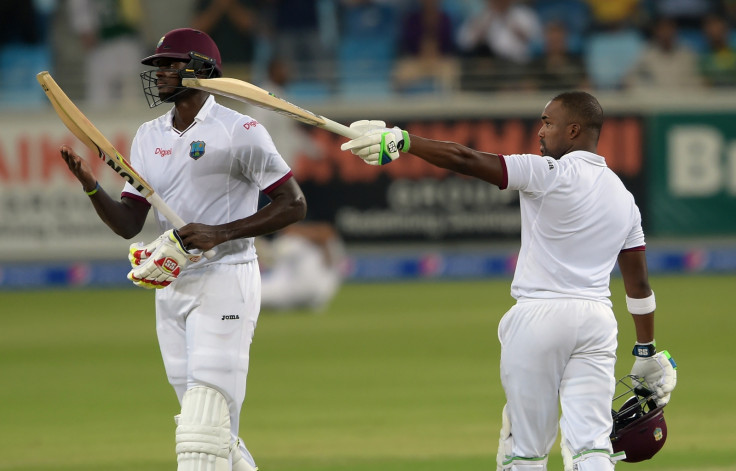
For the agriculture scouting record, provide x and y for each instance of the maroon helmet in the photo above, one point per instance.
(179, 43)
(639, 428)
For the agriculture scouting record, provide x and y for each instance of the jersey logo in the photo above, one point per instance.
(196, 149)
(550, 162)
(250, 124)
(162, 152)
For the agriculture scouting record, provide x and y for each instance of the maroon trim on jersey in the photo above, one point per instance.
(505, 179)
(639, 248)
(278, 183)
(133, 196)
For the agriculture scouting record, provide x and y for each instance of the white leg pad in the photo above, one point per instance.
(505, 443)
(594, 460)
(203, 431)
(566, 454)
(505, 459)
(239, 463)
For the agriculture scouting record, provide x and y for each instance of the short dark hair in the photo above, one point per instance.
(584, 107)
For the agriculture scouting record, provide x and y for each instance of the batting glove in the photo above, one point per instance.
(377, 145)
(658, 373)
(164, 265)
(140, 251)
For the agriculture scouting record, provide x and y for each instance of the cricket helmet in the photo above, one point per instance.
(187, 44)
(639, 428)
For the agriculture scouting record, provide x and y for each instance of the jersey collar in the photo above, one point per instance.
(209, 103)
(206, 108)
(589, 157)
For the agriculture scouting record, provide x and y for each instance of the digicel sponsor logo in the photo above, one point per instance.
(163, 152)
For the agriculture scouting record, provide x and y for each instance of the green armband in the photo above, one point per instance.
(406, 142)
(94, 190)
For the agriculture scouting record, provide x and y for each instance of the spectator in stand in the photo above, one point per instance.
(718, 63)
(111, 36)
(614, 14)
(557, 68)
(687, 14)
(665, 64)
(232, 24)
(426, 48)
(503, 31)
(19, 24)
(295, 36)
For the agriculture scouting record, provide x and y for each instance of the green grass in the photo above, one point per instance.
(392, 377)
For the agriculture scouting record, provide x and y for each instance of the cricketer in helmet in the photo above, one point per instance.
(162, 85)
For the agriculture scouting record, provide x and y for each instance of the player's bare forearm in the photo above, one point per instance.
(633, 266)
(125, 218)
(287, 206)
(458, 158)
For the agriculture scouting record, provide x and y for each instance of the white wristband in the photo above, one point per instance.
(641, 306)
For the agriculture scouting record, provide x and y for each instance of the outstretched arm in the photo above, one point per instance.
(458, 158)
(378, 145)
(125, 217)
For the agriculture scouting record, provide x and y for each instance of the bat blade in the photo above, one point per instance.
(88, 134)
(256, 96)
(91, 137)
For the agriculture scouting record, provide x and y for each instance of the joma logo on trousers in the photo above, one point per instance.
(228, 318)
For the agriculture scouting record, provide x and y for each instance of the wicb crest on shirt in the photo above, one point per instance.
(196, 149)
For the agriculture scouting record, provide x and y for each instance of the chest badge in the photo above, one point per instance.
(196, 149)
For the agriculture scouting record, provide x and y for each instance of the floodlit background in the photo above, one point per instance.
(399, 371)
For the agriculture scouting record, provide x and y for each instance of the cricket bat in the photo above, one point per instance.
(249, 93)
(91, 137)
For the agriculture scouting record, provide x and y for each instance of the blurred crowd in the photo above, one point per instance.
(382, 47)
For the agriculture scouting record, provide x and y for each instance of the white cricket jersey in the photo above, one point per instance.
(576, 216)
(211, 173)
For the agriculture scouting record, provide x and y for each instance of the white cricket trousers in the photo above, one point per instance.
(205, 322)
(559, 352)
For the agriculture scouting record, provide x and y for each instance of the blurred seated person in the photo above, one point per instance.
(687, 14)
(497, 43)
(426, 50)
(718, 62)
(302, 267)
(232, 24)
(665, 64)
(614, 14)
(557, 68)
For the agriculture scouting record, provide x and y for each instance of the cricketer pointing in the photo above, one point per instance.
(210, 164)
(558, 342)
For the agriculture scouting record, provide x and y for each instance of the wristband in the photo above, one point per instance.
(406, 142)
(645, 350)
(94, 190)
(641, 306)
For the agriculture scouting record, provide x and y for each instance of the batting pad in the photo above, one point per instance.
(203, 431)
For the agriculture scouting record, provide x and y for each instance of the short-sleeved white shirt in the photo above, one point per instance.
(211, 173)
(576, 216)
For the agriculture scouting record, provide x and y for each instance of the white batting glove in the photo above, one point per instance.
(164, 265)
(378, 145)
(658, 373)
(140, 251)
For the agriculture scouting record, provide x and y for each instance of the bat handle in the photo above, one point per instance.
(169, 214)
(341, 129)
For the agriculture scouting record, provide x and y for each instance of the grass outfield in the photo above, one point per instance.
(393, 377)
